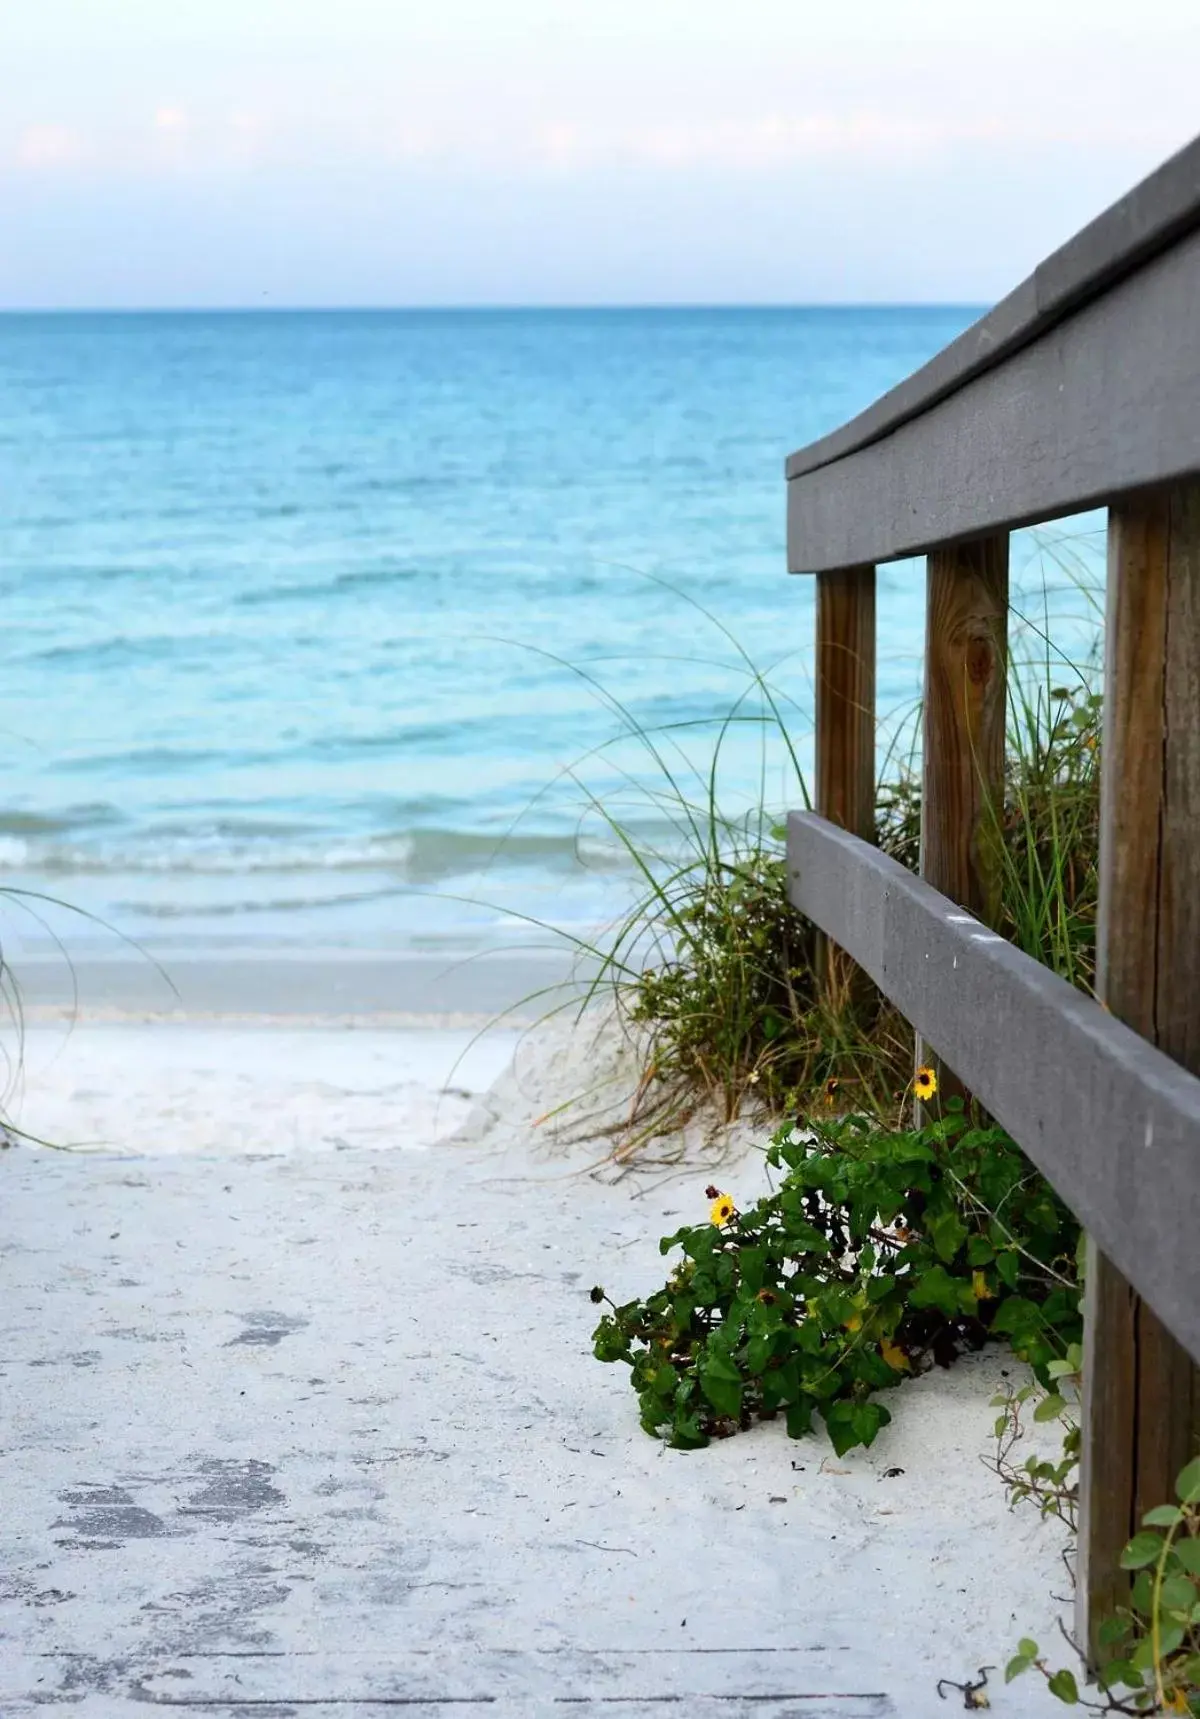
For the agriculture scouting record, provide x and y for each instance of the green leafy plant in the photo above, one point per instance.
(1152, 1646)
(882, 1250)
(1049, 1482)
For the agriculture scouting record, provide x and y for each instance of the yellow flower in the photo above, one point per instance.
(721, 1210)
(925, 1082)
(854, 1323)
(895, 1357)
(979, 1284)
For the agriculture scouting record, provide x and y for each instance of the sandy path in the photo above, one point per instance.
(294, 1425)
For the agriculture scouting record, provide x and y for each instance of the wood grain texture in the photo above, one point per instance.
(1111, 1121)
(845, 715)
(1142, 1392)
(1101, 405)
(845, 737)
(966, 663)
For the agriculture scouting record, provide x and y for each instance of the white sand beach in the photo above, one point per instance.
(301, 1415)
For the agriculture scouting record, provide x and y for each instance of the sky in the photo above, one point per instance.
(273, 153)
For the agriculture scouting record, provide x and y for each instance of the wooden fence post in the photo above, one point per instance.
(1141, 1409)
(845, 724)
(846, 699)
(966, 666)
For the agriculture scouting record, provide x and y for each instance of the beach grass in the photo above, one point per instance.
(716, 972)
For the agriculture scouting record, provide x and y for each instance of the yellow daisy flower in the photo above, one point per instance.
(925, 1082)
(721, 1210)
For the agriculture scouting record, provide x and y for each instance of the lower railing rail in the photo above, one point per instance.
(1110, 1121)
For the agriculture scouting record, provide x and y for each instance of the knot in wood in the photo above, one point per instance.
(980, 660)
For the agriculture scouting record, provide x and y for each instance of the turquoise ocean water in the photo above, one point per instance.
(289, 601)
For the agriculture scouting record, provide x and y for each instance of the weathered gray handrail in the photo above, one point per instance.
(1112, 1123)
(1079, 387)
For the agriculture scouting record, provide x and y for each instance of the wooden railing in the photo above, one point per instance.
(1081, 389)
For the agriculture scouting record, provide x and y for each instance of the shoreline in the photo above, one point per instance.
(320, 988)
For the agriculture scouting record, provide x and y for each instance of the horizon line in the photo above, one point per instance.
(495, 308)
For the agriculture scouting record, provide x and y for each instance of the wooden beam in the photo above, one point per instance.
(1101, 405)
(962, 796)
(1112, 1122)
(845, 737)
(846, 699)
(966, 662)
(1142, 224)
(1141, 1391)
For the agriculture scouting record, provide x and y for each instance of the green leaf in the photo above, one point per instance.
(1027, 1649)
(1050, 1408)
(686, 1433)
(1063, 1685)
(849, 1424)
(799, 1417)
(722, 1385)
(1162, 1516)
(947, 1233)
(1017, 1665)
(1170, 1638)
(1143, 1549)
(1008, 1268)
(936, 1288)
(758, 1351)
(1188, 1553)
(1142, 1657)
(1015, 1314)
(1177, 1594)
(1117, 1673)
(1188, 1483)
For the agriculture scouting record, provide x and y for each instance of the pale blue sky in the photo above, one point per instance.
(311, 152)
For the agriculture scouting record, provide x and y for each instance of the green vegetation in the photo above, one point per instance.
(717, 970)
(881, 1248)
(1151, 1647)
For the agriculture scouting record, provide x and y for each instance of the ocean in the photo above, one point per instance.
(322, 630)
